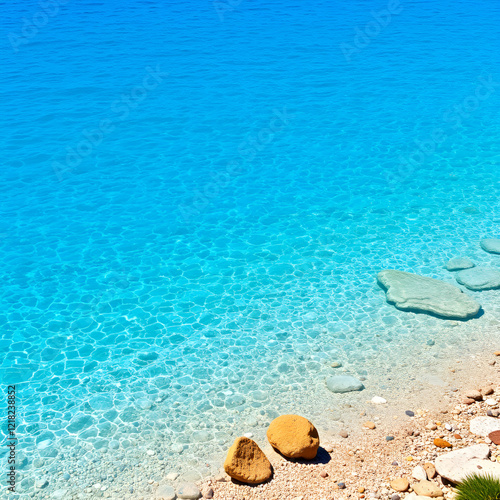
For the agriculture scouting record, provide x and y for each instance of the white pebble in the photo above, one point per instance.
(97, 486)
(248, 435)
(150, 452)
(448, 427)
(378, 400)
(491, 402)
(419, 473)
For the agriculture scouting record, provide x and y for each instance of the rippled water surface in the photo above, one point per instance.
(196, 199)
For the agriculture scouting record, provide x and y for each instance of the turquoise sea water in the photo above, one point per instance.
(196, 200)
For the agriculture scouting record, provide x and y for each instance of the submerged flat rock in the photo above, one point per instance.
(479, 278)
(411, 292)
(459, 263)
(491, 245)
(344, 383)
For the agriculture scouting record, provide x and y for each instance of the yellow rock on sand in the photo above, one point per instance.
(294, 437)
(247, 463)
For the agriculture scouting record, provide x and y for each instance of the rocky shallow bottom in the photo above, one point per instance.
(424, 377)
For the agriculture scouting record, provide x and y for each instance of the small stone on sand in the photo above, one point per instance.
(495, 437)
(430, 470)
(400, 484)
(441, 443)
(427, 489)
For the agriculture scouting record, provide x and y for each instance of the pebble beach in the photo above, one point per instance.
(385, 454)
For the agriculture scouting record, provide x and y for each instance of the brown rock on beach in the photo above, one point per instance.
(430, 470)
(495, 437)
(473, 394)
(441, 443)
(247, 463)
(294, 437)
(467, 401)
(400, 484)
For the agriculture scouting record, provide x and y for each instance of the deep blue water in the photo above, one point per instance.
(197, 195)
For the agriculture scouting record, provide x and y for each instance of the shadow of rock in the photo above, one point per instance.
(322, 457)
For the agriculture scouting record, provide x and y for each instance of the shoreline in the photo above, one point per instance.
(364, 459)
(410, 379)
(422, 379)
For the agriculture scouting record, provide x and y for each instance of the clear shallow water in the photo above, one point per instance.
(194, 210)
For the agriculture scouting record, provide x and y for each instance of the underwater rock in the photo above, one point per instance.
(479, 278)
(491, 245)
(294, 437)
(344, 383)
(165, 492)
(189, 491)
(459, 263)
(411, 292)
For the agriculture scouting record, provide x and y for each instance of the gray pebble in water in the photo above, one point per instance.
(189, 491)
(165, 492)
(41, 483)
